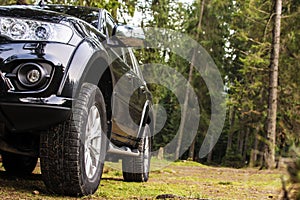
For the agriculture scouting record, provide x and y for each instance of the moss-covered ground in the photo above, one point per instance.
(189, 180)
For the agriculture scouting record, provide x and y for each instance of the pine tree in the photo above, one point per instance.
(273, 84)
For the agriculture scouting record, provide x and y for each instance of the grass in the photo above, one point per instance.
(183, 179)
(194, 180)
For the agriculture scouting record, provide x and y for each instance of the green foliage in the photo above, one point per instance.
(247, 77)
(233, 159)
(237, 34)
(7, 2)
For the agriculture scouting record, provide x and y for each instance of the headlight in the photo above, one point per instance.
(21, 29)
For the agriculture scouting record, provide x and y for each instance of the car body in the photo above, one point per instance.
(61, 67)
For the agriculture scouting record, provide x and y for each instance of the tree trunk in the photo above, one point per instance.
(185, 105)
(273, 83)
(231, 130)
(254, 151)
(209, 157)
(246, 145)
(192, 150)
(241, 141)
(179, 141)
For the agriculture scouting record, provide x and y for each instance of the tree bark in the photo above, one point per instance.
(192, 150)
(254, 151)
(241, 141)
(273, 84)
(210, 157)
(179, 141)
(246, 145)
(231, 130)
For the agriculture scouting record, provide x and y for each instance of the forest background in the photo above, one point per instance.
(240, 36)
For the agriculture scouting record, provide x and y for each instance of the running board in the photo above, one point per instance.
(122, 150)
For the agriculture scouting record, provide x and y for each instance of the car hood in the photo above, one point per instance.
(31, 12)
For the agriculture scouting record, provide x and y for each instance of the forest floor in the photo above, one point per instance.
(180, 180)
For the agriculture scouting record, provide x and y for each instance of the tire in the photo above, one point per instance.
(72, 153)
(136, 169)
(18, 165)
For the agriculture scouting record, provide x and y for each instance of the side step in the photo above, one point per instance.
(122, 150)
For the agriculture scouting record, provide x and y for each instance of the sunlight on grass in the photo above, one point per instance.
(188, 164)
(194, 180)
(183, 179)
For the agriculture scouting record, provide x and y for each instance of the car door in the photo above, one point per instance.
(138, 97)
(126, 113)
(122, 108)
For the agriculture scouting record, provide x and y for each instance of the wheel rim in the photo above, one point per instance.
(92, 142)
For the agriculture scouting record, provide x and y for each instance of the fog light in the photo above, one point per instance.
(33, 76)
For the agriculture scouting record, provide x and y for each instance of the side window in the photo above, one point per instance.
(135, 64)
(127, 59)
(110, 24)
(130, 59)
(102, 27)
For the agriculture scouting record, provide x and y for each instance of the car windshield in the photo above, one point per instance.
(90, 15)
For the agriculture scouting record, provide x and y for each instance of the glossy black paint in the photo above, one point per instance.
(90, 15)
(19, 116)
(55, 55)
(87, 57)
(31, 12)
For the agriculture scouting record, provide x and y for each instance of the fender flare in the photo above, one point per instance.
(85, 65)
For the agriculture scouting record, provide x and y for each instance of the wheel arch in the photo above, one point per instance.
(85, 65)
(105, 85)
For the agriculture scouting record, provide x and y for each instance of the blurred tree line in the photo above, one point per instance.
(238, 36)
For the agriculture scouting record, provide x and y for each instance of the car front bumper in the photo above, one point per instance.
(33, 114)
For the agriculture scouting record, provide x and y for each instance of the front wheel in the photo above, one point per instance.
(73, 153)
(136, 169)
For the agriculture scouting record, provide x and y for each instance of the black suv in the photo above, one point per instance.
(70, 93)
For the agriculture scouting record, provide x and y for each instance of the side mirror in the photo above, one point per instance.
(130, 36)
